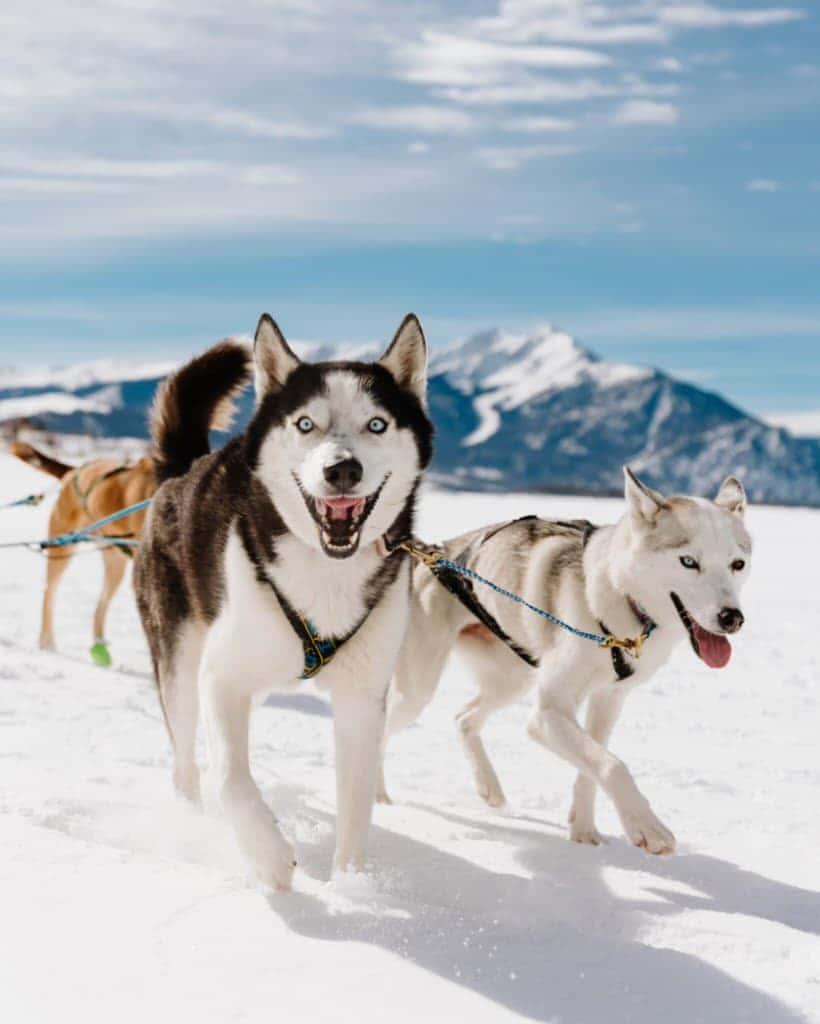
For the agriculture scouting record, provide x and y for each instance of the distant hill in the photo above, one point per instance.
(514, 411)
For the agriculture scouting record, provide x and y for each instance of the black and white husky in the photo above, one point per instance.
(275, 557)
(675, 562)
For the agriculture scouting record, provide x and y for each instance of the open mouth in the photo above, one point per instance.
(712, 648)
(340, 519)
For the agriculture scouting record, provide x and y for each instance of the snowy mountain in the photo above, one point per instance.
(514, 411)
(538, 411)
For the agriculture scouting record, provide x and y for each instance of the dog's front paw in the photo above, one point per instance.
(268, 852)
(274, 865)
(646, 830)
(585, 832)
(582, 828)
(491, 793)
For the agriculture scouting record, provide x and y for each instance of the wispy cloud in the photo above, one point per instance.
(427, 118)
(697, 325)
(542, 125)
(801, 424)
(510, 158)
(763, 185)
(444, 59)
(225, 119)
(646, 112)
(529, 91)
(672, 65)
(710, 16)
(213, 113)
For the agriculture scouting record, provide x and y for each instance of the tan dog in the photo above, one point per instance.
(88, 493)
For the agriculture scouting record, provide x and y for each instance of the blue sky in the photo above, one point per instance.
(646, 174)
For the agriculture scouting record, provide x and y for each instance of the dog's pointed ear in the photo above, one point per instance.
(732, 497)
(273, 359)
(406, 358)
(644, 503)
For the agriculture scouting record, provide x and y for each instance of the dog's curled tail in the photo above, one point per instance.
(37, 459)
(197, 398)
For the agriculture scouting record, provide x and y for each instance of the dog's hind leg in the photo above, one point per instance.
(58, 559)
(179, 694)
(425, 650)
(501, 681)
(603, 709)
(114, 565)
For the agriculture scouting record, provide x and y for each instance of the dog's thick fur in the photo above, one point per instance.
(299, 514)
(88, 493)
(681, 560)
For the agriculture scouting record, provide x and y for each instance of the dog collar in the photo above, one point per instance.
(623, 670)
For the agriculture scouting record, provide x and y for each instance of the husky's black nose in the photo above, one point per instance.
(344, 475)
(730, 619)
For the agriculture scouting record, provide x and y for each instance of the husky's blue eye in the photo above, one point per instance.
(305, 424)
(377, 425)
(688, 562)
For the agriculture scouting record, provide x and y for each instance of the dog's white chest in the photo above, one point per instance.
(330, 592)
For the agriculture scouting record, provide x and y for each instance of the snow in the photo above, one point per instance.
(121, 904)
(86, 374)
(60, 402)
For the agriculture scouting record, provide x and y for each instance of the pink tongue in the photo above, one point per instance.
(337, 507)
(714, 649)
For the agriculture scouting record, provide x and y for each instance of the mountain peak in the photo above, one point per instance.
(503, 370)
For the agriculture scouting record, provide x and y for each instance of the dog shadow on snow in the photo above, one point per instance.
(559, 945)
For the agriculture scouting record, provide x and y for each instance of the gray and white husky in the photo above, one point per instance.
(676, 562)
(276, 556)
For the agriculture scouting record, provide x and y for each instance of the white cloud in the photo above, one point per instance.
(646, 112)
(671, 65)
(510, 158)
(702, 325)
(801, 424)
(60, 186)
(421, 118)
(567, 22)
(226, 122)
(242, 122)
(67, 166)
(457, 60)
(763, 185)
(531, 90)
(709, 16)
(537, 125)
(805, 71)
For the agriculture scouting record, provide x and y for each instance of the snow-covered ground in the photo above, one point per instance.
(118, 904)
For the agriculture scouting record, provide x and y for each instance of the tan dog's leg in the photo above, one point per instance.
(114, 566)
(58, 559)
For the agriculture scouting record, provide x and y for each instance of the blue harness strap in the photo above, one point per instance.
(440, 565)
(30, 499)
(87, 533)
(318, 650)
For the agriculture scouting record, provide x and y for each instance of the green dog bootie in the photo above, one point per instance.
(100, 654)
